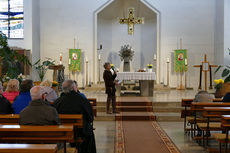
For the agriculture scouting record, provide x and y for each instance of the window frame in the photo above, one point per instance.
(8, 19)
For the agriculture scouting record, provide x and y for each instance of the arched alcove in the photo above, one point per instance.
(112, 35)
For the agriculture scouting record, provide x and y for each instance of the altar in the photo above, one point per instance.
(146, 81)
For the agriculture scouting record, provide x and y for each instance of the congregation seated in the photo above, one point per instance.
(12, 90)
(226, 97)
(51, 95)
(24, 97)
(5, 105)
(71, 102)
(38, 112)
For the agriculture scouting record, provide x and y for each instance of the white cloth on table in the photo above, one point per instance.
(136, 76)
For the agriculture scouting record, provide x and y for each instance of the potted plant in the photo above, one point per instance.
(10, 59)
(150, 68)
(225, 74)
(42, 67)
(219, 86)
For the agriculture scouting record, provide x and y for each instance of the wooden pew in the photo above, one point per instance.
(93, 102)
(213, 113)
(223, 138)
(37, 134)
(186, 103)
(66, 119)
(28, 148)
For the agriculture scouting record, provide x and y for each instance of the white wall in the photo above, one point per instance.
(226, 32)
(193, 21)
(62, 20)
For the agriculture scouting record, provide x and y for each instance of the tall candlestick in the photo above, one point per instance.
(86, 59)
(69, 61)
(155, 57)
(99, 56)
(185, 62)
(168, 60)
(60, 58)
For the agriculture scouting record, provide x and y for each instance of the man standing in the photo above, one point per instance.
(110, 83)
(38, 112)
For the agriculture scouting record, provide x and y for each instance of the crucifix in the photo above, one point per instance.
(131, 20)
(205, 67)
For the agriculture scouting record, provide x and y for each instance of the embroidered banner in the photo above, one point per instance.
(75, 59)
(180, 63)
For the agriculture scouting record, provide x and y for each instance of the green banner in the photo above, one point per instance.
(180, 61)
(75, 60)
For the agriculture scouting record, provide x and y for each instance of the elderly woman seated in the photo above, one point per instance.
(51, 95)
(12, 90)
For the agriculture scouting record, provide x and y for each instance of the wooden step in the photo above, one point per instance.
(135, 108)
(134, 103)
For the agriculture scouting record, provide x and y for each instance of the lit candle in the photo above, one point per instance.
(86, 59)
(186, 62)
(60, 58)
(99, 56)
(168, 60)
(155, 57)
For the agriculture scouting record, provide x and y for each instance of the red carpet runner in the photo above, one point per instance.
(136, 129)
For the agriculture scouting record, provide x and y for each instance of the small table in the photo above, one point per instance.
(146, 80)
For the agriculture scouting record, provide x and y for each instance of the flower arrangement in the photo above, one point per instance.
(54, 84)
(219, 83)
(149, 66)
(126, 52)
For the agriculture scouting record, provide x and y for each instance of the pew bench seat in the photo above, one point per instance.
(28, 148)
(212, 126)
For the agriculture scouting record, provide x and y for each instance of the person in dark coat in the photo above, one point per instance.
(110, 83)
(38, 112)
(5, 105)
(72, 102)
(226, 97)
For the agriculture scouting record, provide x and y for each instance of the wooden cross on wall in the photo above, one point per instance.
(205, 67)
(131, 20)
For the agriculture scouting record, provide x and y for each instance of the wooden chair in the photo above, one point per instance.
(37, 134)
(186, 113)
(223, 138)
(28, 148)
(213, 116)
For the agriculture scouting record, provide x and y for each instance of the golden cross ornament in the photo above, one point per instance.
(131, 20)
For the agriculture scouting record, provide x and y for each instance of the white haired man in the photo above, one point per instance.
(38, 112)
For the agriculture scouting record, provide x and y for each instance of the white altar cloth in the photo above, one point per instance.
(136, 76)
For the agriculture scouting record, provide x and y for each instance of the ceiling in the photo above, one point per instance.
(119, 8)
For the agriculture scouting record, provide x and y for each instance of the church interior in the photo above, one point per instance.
(114, 76)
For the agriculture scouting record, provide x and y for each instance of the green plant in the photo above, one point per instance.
(42, 67)
(225, 72)
(10, 59)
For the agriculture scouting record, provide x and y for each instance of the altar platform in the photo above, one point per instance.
(146, 81)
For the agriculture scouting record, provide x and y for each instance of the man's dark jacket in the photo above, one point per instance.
(39, 113)
(74, 103)
(109, 82)
(5, 106)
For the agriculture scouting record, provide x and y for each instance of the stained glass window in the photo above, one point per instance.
(12, 18)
